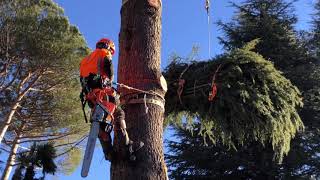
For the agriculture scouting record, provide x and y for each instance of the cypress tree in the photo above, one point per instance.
(272, 21)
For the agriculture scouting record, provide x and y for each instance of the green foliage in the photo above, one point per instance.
(71, 162)
(254, 102)
(42, 42)
(272, 22)
(39, 155)
(190, 158)
(316, 30)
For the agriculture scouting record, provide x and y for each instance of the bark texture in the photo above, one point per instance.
(139, 67)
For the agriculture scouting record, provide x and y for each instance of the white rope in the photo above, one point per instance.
(139, 90)
(209, 36)
(143, 100)
(207, 6)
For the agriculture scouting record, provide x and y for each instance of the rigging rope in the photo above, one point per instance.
(207, 7)
(138, 90)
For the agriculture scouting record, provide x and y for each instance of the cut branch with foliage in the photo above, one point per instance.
(254, 102)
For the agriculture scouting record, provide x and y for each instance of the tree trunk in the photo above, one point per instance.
(13, 152)
(139, 67)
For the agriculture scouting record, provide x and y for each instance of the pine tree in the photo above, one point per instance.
(39, 53)
(272, 21)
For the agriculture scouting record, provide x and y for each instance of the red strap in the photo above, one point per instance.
(180, 88)
(213, 92)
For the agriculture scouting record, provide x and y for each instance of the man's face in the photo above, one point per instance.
(109, 55)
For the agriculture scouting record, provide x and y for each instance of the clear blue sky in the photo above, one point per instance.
(184, 24)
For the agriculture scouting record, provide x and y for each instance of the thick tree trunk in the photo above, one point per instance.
(139, 67)
(12, 157)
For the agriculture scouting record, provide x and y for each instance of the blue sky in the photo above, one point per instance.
(184, 24)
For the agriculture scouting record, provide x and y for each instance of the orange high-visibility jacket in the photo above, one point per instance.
(95, 63)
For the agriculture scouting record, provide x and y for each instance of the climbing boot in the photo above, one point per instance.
(106, 142)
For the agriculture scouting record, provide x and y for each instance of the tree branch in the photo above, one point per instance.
(76, 143)
(47, 139)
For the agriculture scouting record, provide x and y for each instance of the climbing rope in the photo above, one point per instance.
(144, 100)
(138, 90)
(145, 103)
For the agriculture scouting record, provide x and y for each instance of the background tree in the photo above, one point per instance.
(272, 21)
(316, 30)
(40, 52)
(190, 158)
(139, 67)
(39, 155)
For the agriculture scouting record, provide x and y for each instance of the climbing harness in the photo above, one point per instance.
(136, 100)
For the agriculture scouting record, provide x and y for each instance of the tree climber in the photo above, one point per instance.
(96, 76)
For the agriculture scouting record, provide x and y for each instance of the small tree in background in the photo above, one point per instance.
(39, 155)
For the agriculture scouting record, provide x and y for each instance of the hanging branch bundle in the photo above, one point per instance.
(253, 102)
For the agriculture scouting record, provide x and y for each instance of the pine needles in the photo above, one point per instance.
(254, 102)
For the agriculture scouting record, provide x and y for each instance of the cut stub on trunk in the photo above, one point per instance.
(154, 3)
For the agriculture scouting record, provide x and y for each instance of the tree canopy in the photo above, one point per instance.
(39, 57)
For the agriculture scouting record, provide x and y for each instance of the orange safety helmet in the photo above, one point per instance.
(106, 44)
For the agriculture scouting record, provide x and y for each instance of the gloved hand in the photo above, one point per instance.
(107, 82)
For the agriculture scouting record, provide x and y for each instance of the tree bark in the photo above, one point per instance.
(13, 152)
(8, 120)
(139, 67)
